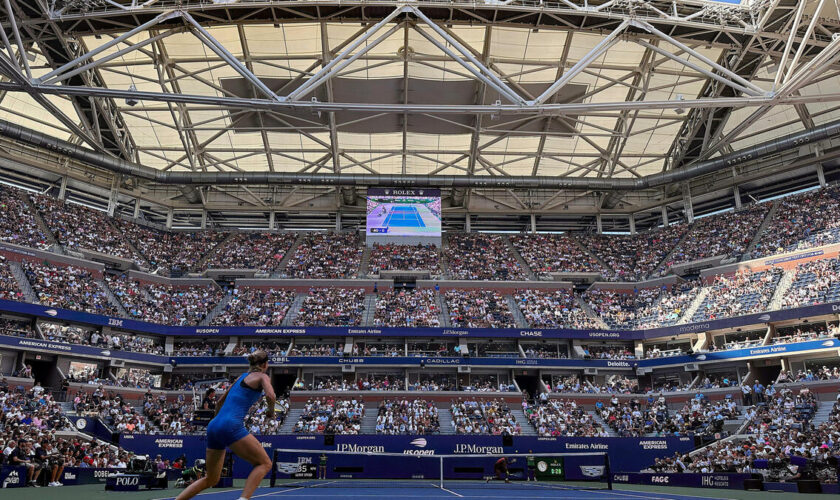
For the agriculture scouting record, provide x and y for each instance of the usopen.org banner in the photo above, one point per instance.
(631, 454)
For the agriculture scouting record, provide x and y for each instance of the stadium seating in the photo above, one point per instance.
(391, 257)
(255, 307)
(478, 309)
(260, 251)
(416, 308)
(17, 221)
(802, 221)
(742, 293)
(481, 257)
(325, 256)
(816, 282)
(548, 253)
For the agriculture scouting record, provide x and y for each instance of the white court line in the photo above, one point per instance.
(446, 490)
(225, 490)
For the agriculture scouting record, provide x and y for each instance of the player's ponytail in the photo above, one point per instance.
(257, 358)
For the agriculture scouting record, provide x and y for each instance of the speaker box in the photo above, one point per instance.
(809, 486)
(753, 484)
(507, 440)
(329, 439)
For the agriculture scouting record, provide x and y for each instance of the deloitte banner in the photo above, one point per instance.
(624, 453)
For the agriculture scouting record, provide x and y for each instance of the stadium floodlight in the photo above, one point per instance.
(680, 110)
(132, 101)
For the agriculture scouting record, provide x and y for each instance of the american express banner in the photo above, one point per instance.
(624, 453)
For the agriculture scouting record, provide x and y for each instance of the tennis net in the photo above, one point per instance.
(368, 469)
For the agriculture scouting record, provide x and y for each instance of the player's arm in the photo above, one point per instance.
(270, 397)
(220, 403)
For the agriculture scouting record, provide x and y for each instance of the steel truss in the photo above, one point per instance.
(804, 49)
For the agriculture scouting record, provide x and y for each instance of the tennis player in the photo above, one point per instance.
(500, 470)
(227, 429)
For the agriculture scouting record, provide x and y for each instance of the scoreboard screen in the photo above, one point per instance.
(403, 212)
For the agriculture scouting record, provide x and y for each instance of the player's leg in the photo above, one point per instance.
(214, 463)
(249, 449)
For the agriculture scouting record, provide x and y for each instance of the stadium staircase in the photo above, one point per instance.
(518, 317)
(364, 265)
(203, 260)
(216, 310)
(694, 306)
(23, 282)
(600, 421)
(782, 289)
(527, 428)
(592, 254)
(822, 414)
(670, 254)
(292, 418)
(445, 320)
(771, 214)
(445, 421)
(516, 255)
(444, 264)
(369, 423)
(370, 309)
(112, 298)
(590, 312)
(42, 225)
(294, 309)
(288, 256)
(131, 245)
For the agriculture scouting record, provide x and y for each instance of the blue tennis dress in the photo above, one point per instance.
(228, 426)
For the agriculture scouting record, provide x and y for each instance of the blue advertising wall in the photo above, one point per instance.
(73, 349)
(255, 331)
(626, 454)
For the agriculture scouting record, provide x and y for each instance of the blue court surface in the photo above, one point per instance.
(404, 216)
(454, 490)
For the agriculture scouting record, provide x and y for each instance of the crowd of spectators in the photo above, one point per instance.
(802, 221)
(78, 227)
(115, 340)
(329, 415)
(14, 328)
(433, 382)
(814, 282)
(255, 307)
(181, 305)
(553, 309)
(637, 418)
(484, 417)
(332, 307)
(17, 223)
(170, 253)
(370, 382)
(9, 289)
(478, 309)
(622, 309)
(561, 418)
(634, 257)
(551, 253)
(608, 351)
(742, 293)
(260, 251)
(722, 235)
(545, 351)
(325, 256)
(417, 308)
(29, 426)
(200, 348)
(317, 349)
(404, 416)
(806, 333)
(394, 257)
(479, 256)
(68, 288)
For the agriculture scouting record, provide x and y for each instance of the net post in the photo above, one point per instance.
(607, 471)
(441, 472)
(273, 481)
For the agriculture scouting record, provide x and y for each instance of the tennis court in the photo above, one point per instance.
(404, 216)
(536, 491)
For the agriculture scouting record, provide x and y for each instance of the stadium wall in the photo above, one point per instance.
(625, 454)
